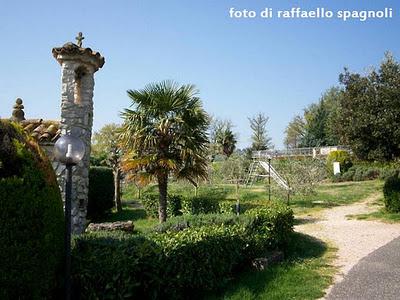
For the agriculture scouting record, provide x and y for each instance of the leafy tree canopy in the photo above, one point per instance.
(370, 111)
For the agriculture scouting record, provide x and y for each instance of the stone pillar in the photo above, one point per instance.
(78, 66)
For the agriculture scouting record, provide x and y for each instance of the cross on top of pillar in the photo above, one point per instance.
(80, 38)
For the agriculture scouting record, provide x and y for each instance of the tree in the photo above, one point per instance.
(234, 169)
(321, 126)
(302, 175)
(106, 145)
(370, 111)
(222, 138)
(166, 134)
(259, 137)
(295, 132)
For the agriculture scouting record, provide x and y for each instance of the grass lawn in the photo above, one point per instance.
(381, 214)
(327, 195)
(334, 194)
(305, 274)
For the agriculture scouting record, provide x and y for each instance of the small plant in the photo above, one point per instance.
(391, 192)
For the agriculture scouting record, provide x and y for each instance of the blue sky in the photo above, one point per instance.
(241, 66)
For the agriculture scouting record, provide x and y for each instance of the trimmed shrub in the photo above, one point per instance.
(101, 192)
(151, 204)
(31, 218)
(199, 259)
(111, 265)
(369, 171)
(391, 192)
(388, 172)
(200, 205)
(176, 265)
(174, 205)
(340, 156)
(226, 207)
(186, 221)
(349, 175)
(363, 173)
(270, 227)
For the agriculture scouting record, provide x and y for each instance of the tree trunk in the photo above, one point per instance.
(117, 189)
(163, 190)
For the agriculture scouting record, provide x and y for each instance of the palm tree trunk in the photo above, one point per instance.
(117, 189)
(163, 190)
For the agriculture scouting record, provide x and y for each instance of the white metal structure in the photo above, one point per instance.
(293, 152)
(255, 165)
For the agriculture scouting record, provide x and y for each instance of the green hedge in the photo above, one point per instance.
(182, 222)
(114, 266)
(151, 203)
(391, 192)
(364, 172)
(175, 265)
(31, 219)
(178, 205)
(101, 192)
(200, 205)
(270, 227)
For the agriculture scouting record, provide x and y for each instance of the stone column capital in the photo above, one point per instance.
(74, 53)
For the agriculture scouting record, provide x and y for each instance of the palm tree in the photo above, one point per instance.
(227, 141)
(222, 138)
(165, 135)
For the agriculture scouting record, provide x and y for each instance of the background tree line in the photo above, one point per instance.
(363, 113)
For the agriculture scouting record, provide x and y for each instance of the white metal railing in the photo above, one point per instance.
(310, 151)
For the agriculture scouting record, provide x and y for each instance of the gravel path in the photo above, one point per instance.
(354, 239)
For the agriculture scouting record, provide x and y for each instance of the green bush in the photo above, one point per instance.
(186, 221)
(199, 259)
(362, 173)
(151, 204)
(388, 172)
(113, 266)
(270, 226)
(200, 205)
(31, 219)
(174, 205)
(226, 207)
(340, 156)
(349, 175)
(391, 192)
(176, 264)
(101, 192)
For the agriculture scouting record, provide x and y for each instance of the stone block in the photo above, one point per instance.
(123, 226)
(270, 258)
